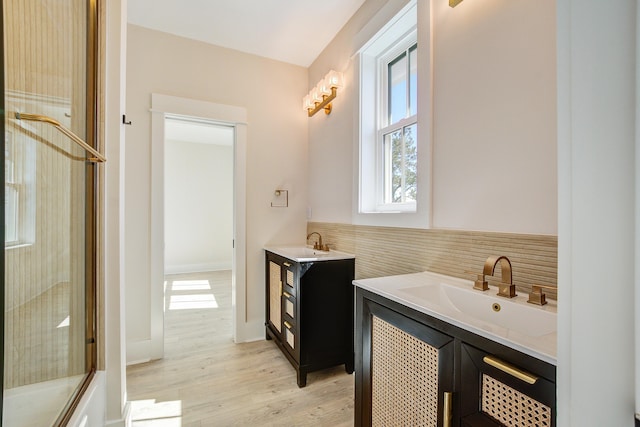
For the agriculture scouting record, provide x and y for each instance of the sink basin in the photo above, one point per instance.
(308, 254)
(510, 321)
(528, 320)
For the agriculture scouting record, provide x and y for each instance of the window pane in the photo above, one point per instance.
(397, 89)
(393, 167)
(410, 163)
(10, 214)
(400, 165)
(413, 80)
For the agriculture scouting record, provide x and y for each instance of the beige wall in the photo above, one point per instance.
(271, 92)
(494, 116)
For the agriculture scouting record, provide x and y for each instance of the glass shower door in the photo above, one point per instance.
(49, 218)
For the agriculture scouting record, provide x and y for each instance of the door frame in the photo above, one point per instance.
(161, 107)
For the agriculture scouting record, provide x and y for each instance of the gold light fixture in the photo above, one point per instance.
(320, 97)
(454, 3)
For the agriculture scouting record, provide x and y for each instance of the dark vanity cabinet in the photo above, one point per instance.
(309, 312)
(413, 369)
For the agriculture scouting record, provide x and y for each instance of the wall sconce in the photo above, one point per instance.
(454, 3)
(320, 97)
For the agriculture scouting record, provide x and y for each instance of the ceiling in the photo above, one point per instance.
(293, 31)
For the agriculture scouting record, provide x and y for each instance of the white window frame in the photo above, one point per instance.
(403, 29)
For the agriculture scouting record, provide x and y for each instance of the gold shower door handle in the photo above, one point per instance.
(447, 409)
(97, 157)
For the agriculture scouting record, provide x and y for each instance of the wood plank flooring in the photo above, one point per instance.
(207, 380)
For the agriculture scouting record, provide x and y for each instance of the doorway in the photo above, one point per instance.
(198, 190)
(170, 112)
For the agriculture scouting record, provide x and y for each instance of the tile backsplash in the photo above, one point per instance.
(385, 251)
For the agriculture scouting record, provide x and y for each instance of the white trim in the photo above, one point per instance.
(196, 268)
(161, 106)
(138, 352)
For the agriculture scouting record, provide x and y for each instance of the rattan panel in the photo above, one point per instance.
(404, 378)
(290, 281)
(511, 407)
(291, 339)
(274, 295)
(288, 308)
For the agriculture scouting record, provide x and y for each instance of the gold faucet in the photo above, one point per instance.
(506, 288)
(318, 244)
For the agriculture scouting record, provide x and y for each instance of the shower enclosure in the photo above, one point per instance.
(49, 192)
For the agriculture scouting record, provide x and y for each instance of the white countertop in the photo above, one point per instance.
(307, 253)
(534, 332)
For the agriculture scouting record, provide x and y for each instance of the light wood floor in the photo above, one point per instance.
(207, 380)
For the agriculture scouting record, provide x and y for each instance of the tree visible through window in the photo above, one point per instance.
(401, 168)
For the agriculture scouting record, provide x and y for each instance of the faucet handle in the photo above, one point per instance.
(507, 290)
(481, 284)
(537, 296)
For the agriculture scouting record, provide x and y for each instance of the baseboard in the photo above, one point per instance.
(138, 352)
(250, 331)
(124, 421)
(197, 268)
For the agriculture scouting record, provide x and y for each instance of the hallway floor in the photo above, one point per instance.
(207, 380)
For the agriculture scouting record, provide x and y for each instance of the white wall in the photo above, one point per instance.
(494, 116)
(271, 92)
(198, 206)
(597, 107)
(112, 300)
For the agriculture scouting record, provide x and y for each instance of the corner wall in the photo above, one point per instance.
(270, 91)
(494, 116)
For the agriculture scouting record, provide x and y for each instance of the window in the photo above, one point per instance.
(399, 157)
(19, 174)
(11, 192)
(390, 181)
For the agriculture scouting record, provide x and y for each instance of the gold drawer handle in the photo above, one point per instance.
(510, 369)
(286, 264)
(287, 325)
(286, 294)
(447, 409)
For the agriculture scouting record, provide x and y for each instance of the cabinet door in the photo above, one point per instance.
(406, 371)
(496, 391)
(275, 294)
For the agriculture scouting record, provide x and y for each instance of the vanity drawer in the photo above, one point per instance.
(289, 307)
(289, 283)
(289, 304)
(290, 339)
(503, 392)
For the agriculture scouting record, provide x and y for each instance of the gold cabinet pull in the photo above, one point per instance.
(286, 294)
(510, 369)
(287, 324)
(447, 409)
(286, 264)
